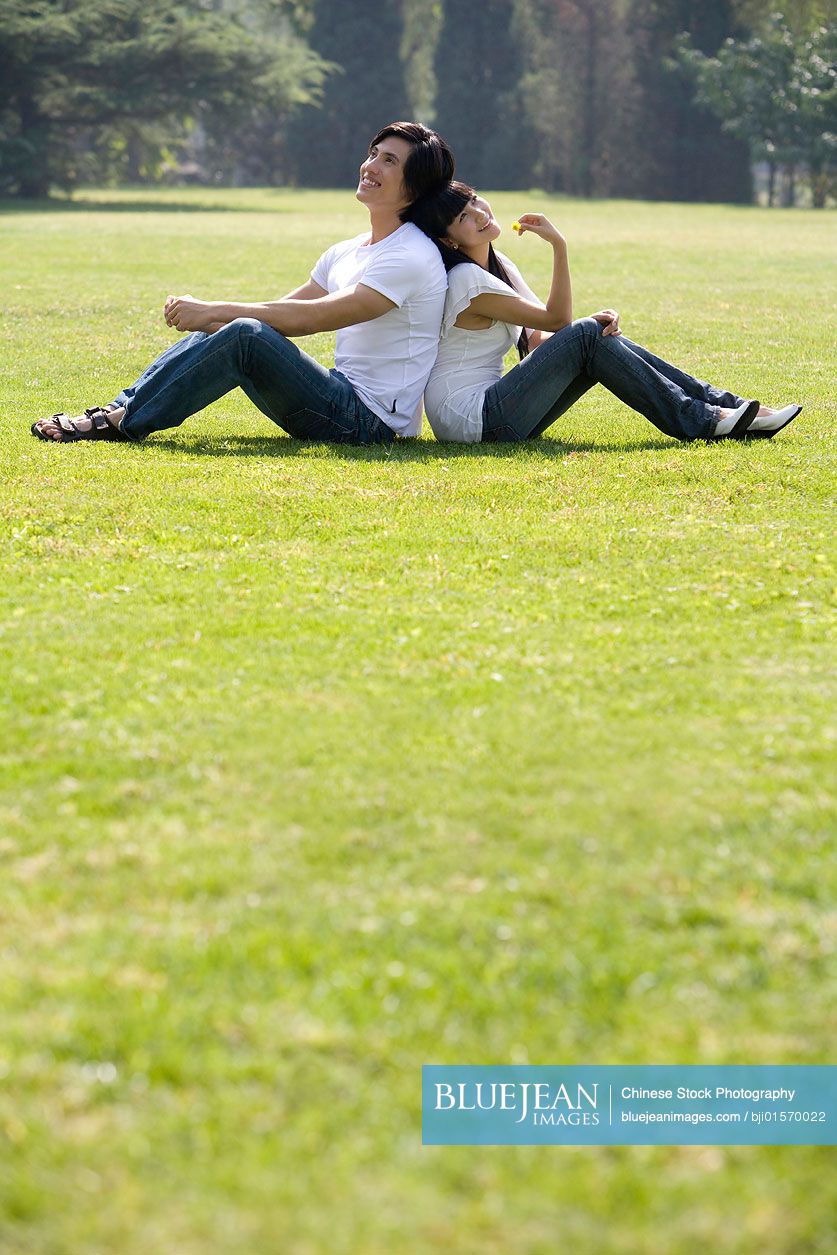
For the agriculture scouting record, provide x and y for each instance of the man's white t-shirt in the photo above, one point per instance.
(470, 361)
(388, 360)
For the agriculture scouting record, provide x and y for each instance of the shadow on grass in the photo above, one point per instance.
(402, 451)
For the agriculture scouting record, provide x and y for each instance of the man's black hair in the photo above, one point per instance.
(430, 164)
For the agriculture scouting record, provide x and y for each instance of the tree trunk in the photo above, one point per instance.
(34, 177)
(819, 185)
(771, 184)
(134, 156)
(789, 190)
(588, 157)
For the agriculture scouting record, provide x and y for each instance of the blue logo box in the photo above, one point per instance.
(648, 1105)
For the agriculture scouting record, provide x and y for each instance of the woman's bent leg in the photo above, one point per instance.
(692, 387)
(533, 394)
(287, 385)
(576, 390)
(529, 397)
(633, 378)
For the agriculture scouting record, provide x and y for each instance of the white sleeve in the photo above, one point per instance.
(322, 267)
(397, 275)
(465, 282)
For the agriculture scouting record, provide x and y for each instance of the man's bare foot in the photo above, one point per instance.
(51, 429)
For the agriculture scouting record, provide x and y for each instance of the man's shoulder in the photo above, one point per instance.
(412, 240)
(341, 247)
(413, 253)
(405, 242)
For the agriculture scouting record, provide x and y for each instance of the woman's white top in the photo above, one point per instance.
(469, 362)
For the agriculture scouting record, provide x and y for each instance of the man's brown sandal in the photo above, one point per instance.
(99, 429)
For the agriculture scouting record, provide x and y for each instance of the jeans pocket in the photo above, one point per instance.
(314, 425)
(376, 431)
(501, 435)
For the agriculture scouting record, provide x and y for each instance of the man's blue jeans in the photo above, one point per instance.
(552, 378)
(297, 393)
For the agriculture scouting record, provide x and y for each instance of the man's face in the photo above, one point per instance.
(381, 183)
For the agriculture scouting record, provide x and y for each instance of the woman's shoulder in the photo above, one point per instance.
(465, 271)
(466, 282)
(469, 276)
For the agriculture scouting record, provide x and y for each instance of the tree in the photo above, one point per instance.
(479, 111)
(577, 85)
(363, 40)
(777, 92)
(422, 25)
(75, 67)
(681, 152)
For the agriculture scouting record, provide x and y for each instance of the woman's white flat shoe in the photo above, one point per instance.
(766, 428)
(734, 426)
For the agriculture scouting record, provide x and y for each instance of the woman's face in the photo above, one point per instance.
(475, 227)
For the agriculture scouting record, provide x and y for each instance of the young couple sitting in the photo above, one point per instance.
(424, 310)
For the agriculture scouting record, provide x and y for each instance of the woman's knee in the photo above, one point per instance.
(591, 327)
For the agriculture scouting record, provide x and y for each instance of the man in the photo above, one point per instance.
(382, 292)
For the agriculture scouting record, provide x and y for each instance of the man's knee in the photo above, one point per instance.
(245, 327)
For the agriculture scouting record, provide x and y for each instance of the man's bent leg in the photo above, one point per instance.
(179, 347)
(281, 379)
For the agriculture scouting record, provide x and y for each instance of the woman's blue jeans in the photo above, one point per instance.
(552, 378)
(297, 393)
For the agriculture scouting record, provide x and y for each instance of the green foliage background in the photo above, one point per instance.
(585, 99)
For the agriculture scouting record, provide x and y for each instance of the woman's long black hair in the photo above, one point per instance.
(434, 214)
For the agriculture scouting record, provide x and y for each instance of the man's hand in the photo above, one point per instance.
(187, 313)
(609, 319)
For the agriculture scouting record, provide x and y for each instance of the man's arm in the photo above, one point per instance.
(309, 291)
(293, 315)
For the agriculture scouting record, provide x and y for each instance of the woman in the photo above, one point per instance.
(489, 308)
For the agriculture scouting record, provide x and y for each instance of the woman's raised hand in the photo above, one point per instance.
(609, 320)
(539, 225)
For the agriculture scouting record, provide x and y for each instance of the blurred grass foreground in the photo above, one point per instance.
(321, 763)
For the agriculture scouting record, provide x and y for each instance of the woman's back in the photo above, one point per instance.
(469, 361)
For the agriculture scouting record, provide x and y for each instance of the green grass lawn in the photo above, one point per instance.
(319, 763)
